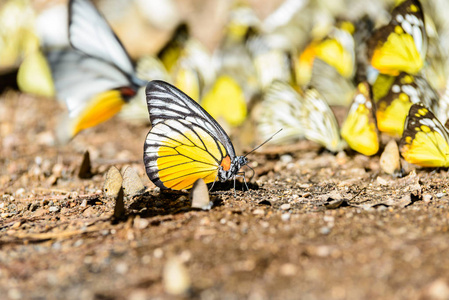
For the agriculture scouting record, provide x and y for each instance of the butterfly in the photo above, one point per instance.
(185, 143)
(360, 126)
(402, 44)
(425, 141)
(403, 91)
(300, 115)
(95, 78)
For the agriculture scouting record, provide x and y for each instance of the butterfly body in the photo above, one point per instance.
(185, 143)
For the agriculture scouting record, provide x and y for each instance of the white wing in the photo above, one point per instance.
(281, 108)
(78, 77)
(319, 122)
(90, 33)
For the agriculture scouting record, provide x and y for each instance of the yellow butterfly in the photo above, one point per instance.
(403, 91)
(425, 141)
(360, 127)
(226, 100)
(336, 50)
(402, 44)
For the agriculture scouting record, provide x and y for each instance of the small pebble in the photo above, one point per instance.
(285, 206)
(325, 230)
(381, 181)
(390, 161)
(199, 195)
(20, 192)
(83, 203)
(258, 212)
(176, 277)
(53, 209)
(121, 268)
(158, 253)
(426, 198)
(440, 195)
(285, 217)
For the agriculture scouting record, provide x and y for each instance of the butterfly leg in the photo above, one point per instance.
(215, 180)
(241, 175)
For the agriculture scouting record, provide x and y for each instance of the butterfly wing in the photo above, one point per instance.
(280, 108)
(360, 127)
(402, 44)
(185, 143)
(319, 121)
(425, 141)
(92, 89)
(393, 108)
(90, 33)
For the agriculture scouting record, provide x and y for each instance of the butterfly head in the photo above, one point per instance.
(228, 171)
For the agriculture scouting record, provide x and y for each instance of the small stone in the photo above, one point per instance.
(285, 206)
(437, 290)
(440, 195)
(426, 198)
(286, 158)
(325, 230)
(5, 215)
(85, 170)
(121, 268)
(285, 217)
(16, 225)
(390, 161)
(83, 203)
(158, 253)
(140, 223)
(175, 277)
(259, 211)
(381, 181)
(288, 269)
(20, 192)
(199, 195)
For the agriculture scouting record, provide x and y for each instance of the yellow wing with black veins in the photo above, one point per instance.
(360, 128)
(181, 153)
(425, 141)
(402, 44)
(392, 109)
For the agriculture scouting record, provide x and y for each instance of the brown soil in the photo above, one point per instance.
(314, 225)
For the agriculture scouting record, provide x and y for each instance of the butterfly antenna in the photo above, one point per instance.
(269, 139)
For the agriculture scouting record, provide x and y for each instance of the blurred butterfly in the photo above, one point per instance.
(97, 77)
(225, 100)
(405, 89)
(425, 141)
(336, 50)
(185, 143)
(360, 127)
(402, 44)
(280, 108)
(301, 116)
(319, 121)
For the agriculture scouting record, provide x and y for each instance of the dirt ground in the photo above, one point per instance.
(314, 225)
